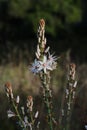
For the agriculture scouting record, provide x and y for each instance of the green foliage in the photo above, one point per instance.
(18, 8)
(57, 13)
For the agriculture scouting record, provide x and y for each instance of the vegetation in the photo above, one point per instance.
(43, 64)
(66, 25)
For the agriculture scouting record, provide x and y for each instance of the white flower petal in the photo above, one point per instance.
(36, 114)
(10, 113)
(17, 99)
(26, 119)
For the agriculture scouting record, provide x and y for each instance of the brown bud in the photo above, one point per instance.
(72, 66)
(42, 23)
(30, 103)
(72, 70)
(30, 98)
(8, 89)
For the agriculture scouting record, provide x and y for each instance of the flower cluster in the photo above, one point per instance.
(25, 116)
(47, 63)
(69, 97)
(44, 60)
(43, 64)
(72, 83)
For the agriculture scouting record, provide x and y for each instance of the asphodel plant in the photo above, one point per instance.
(44, 63)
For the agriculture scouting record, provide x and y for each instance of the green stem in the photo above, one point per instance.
(32, 120)
(16, 110)
(68, 113)
(47, 102)
(49, 116)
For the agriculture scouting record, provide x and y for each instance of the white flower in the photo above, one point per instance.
(75, 84)
(38, 52)
(36, 67)
(52, 58)
(47, 49)
(30, 125)
(67, 93)
(10, 114)
(52, 61)
(17, 99)
(36, 114)
(38, 124)
(22, 108)
(73, 94)
(26, 119)
(45, 64)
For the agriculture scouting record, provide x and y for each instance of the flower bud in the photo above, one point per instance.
(42, 23)
(17, 99)
(8, 89)
(30, 103)
(72, 67)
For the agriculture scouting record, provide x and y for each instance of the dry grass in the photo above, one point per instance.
(25, 83)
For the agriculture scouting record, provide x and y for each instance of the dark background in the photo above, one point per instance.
(66, 26)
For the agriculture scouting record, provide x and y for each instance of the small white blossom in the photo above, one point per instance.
(47, 63)
(36, 114)
(22, 108)
(38, 125)
(75, 84)
(12, 96)
(35, 67)
(26, 119)
(30, 126)
(67, 93)
(38, 52)
(52, 58)
(47, 49)
(10, 114)
(17, 99)
(73, 94)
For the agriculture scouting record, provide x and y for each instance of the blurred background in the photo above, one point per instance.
(66, 33)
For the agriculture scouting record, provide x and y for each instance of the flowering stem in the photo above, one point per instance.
(31, 116)
(32, 120)
(16, 110)
(43, 64)
(68, 114)
(71, 93)
(49, 115)
(47, 101)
